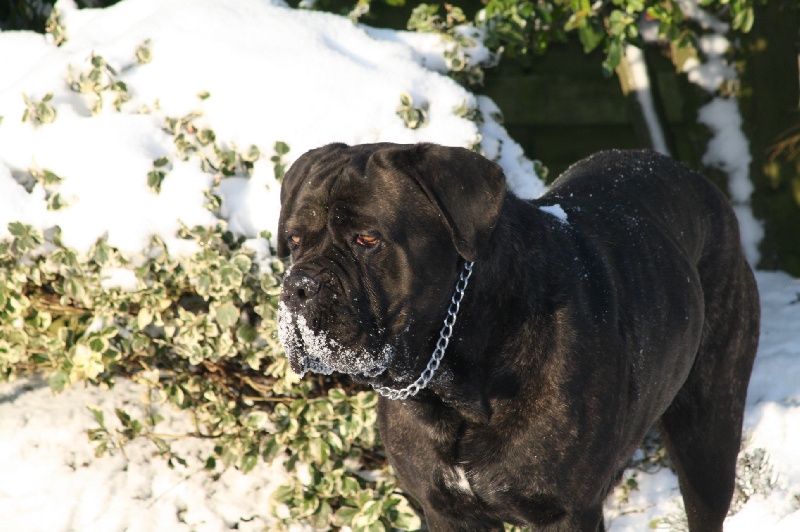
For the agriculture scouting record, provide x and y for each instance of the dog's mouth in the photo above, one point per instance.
(320, 352)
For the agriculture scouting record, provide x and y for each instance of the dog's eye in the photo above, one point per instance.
(295, 240)
(367, 241)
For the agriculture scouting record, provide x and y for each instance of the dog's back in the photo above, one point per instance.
(653, 203)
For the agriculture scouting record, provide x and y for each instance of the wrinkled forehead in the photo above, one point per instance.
(354, 191)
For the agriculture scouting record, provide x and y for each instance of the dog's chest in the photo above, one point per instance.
(455, 479)
(499, 494)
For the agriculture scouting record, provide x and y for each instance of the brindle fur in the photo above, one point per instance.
(575, 337)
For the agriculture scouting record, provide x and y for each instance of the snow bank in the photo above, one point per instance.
(272, 74)
(54, 482)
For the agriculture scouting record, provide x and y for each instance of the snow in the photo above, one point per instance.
(555, 210)
(729, 151)
(728, 148)
(714, 69)
(310, 350)
(54, 482)
(641, 86)
(272, 74)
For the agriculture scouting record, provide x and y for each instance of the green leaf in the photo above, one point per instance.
(247, 333)
(58, 381)
(591, 33)
(175, 394)
(613, 57)
(403, 517)
(17, 229)
(618, 21)
(368, 514)
(242, 262)
(231, 277)
(334, 441)
(405, 99)
(271, 449)
(123, 417)
(634, 6)
(42, 321)
(248, 462)
(257, 419)
(346, 514)
(743, 20)
(97, 413)
(49, 178)
(349, 486)
(154, 180)
(227, 315)
(203, 285)
(574, 21)
(205, 137)
(252, 154)
(318, 450)
(284, 494)
(321, 520)
(308, 506)
(143, 53)
(337, 395)
(98, 344)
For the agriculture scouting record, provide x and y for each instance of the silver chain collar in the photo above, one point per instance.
(441, 344)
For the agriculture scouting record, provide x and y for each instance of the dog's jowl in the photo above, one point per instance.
(522, 349)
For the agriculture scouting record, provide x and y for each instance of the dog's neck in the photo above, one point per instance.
(469, 380)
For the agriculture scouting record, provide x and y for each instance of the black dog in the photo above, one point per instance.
(617, 300)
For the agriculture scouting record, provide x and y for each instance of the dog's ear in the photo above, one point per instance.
(290, 186)
(466, 188)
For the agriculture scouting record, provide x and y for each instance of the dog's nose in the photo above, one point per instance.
(299, 286)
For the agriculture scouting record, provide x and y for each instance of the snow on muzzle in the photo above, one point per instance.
(310, 350)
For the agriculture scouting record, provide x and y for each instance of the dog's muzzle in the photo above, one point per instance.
(309, 341)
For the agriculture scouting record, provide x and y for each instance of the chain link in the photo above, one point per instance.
(441, 343)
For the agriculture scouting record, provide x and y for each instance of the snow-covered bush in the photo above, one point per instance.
(139, 176)
(526, 28)
(199, 331)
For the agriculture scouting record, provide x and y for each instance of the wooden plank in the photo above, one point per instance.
(559, 100)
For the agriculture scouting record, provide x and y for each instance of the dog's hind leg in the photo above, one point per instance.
(702, 428)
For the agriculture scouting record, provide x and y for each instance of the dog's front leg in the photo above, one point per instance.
(448, 522)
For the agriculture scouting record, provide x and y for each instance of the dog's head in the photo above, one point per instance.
(376, 233)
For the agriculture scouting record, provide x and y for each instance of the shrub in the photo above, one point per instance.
(199, 331)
